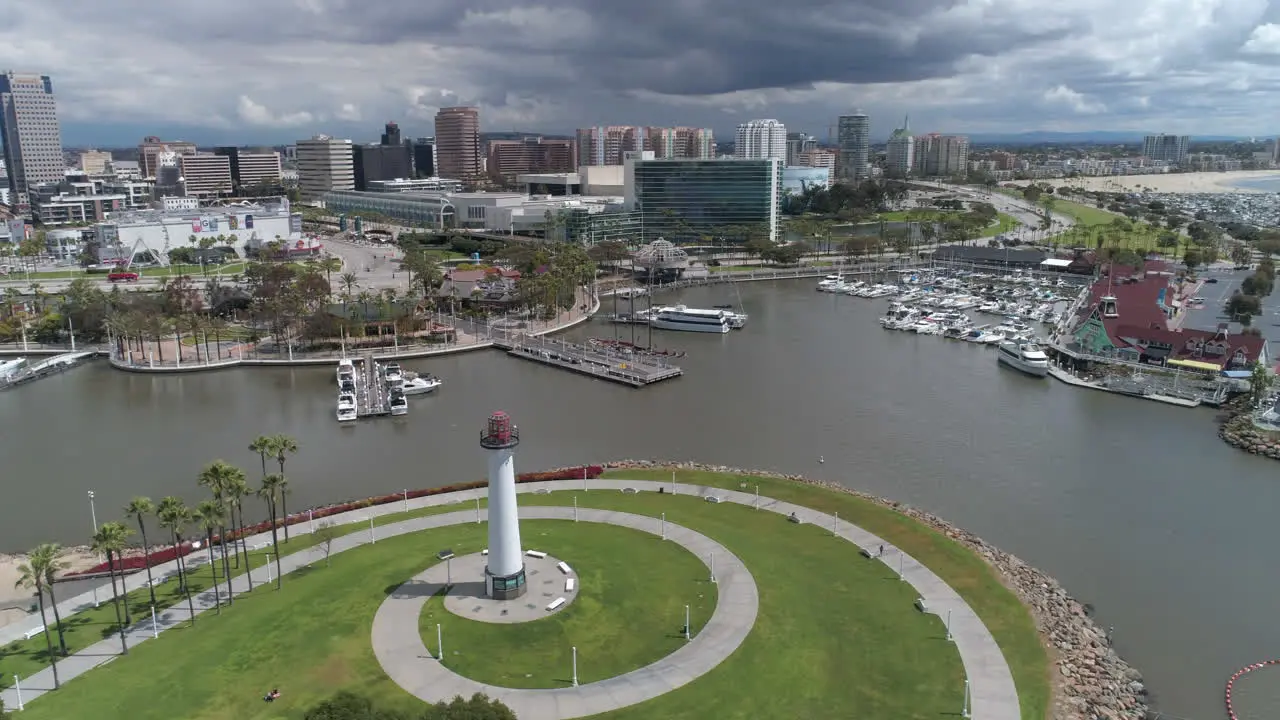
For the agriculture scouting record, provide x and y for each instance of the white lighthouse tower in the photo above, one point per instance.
(504, 575)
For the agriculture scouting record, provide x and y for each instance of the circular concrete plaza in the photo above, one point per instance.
(547, 582)
(406, 659)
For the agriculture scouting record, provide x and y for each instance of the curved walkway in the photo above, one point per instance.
(405, 657)
(993, 695)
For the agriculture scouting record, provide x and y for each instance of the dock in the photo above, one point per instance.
(372, 398)
(603, 363)
(45, 368)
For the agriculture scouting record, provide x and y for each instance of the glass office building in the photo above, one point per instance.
(687, 200)
(429, 210)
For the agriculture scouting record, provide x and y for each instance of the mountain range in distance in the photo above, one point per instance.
(1096, 137)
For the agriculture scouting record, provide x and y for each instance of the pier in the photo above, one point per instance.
(372, 398)
(604, 363)
(45, 368)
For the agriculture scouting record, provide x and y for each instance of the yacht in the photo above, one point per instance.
(737, 320)
(347, 385)
(680, 317)
(1024, 356)
(399, 405)
(830, 283)
(346, 407)
(415, 384)
(392, 373)
(9, 368)
(347, 368)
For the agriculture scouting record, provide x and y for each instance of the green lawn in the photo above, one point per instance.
(980, 585)
(83, 629)
(629, 609)
(836, 635)
(1086, 215)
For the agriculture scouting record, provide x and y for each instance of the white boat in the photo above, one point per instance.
(415, 384)
(631, 292)
(345, 367)
(680, 317)
(1024, 356)
(392, 373)
(737, 320)
(830, 283)
(399, 404)
(346, 407)
(9, 368)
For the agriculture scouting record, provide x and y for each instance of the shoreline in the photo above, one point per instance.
(1090, 679)
(1194, 183)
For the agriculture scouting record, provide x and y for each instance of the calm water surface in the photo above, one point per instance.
(1136, 507)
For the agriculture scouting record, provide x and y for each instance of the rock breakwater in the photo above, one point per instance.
(1239, 431)
(1091, 681)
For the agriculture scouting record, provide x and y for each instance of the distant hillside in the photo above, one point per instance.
(1102, 137)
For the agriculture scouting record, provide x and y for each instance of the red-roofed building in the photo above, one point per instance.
(1127, 317)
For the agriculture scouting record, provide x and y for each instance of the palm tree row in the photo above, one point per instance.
(221, 513)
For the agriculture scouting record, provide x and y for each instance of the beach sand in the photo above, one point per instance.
(1187, 183)
(14, 601)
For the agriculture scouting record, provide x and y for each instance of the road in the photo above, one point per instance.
(1025, 212)
(1215, 301)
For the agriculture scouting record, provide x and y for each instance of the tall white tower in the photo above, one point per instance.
(504, 575)
(760, 140)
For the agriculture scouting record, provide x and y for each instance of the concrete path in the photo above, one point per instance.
(407, 660)
(991, 683)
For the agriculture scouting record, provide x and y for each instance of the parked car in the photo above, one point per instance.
(1212, 280)
(123, 276)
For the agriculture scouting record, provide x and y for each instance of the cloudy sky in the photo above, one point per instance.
(277, 70)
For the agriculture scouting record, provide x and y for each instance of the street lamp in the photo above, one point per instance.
(93, 513)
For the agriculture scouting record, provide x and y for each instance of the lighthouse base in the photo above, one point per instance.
(505, 587)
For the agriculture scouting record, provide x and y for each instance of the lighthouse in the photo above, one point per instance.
(504, 574)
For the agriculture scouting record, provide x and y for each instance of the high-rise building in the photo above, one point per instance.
(817, 157)
(252, 169)
(941, 155)
(687, 198)
(30, 132)
(797, 145)
(206, 174)
(761, 139)
(662, 141)
(424, 157)
(509, 158)
(607, 144)
(1166, 148)
(391, 134)
(151, 146)
(94, 162)
(379, 162)
(458, 143)
(900, 159)
(695, 143)
(853, 134)
(324, 164)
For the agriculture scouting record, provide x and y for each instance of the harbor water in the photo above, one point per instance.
(1135, 506)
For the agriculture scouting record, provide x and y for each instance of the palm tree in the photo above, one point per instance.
(349, 281)
(208, 514)
(173, 515)
(109, 540)
(270, 493)
(284, 445)
(217, 477)
(34, 574)
(331, 265)
(236, 489)
(139, 508)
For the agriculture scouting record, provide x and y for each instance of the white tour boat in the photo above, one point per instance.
(346, 407)
(680, 317)
(1024, 356)
(415, 384)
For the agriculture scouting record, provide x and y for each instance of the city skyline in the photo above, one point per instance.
(1003, 67)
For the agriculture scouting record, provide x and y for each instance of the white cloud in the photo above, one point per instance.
(348, 112)
(1264, 40)
(1063, 95)
(257, 114)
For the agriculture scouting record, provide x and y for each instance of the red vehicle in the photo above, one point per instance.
(125, 276)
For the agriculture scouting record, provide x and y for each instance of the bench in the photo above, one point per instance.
(535, 554)
(921, 605)
(564, 568)
(866, 553)
(542, 491)
(712, 499)
(484, 551)
(629, 491)
(555, 604)
(569, 584)
(32, 633)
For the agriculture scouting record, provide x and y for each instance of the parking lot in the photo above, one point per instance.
(1215, 296)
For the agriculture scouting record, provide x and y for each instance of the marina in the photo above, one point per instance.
(19, 371)
(613, 363)
(367, 388)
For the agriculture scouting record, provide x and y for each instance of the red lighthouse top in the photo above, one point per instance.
(499, 432)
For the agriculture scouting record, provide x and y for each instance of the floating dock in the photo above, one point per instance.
(372, 398)
(45, 368)
(604, 363)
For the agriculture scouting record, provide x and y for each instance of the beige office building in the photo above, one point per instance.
(458, 154)
(206, 174)
(324, 164)
(95, 162)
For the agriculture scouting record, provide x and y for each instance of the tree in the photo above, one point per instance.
(1192, 257)
(479, 707)
(324, 535)
(237, 487)
(347, 705)
(173, 516)
(208, 516)
(1260, 382)
(34, 574)
(110, 541)
(283, 446)
(270, 494)
(218, 477)
(424, 270)
(139, 508)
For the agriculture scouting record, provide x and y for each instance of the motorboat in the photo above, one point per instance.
(399, 404)
(681, 317)
(392, 372)
(347, 385)
(737, 320)
(415, 384)
(346, 407)
(830, 283)
(1024, 356)
(9, 368)
(631, 292)
(346, 368)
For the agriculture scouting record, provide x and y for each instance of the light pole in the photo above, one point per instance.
(686, 622)
(93, 514)
(575, 666)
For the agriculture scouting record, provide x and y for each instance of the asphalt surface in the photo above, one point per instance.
(1215, 302)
